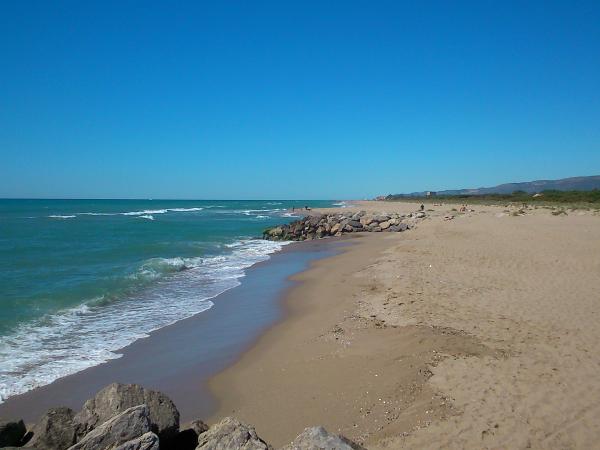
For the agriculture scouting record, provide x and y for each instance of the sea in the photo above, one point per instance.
(81, 279)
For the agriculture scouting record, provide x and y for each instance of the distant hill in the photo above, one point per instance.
(531, 187)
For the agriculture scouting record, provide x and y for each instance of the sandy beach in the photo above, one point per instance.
(475, 332)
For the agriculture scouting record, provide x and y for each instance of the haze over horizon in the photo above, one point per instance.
(271, 100)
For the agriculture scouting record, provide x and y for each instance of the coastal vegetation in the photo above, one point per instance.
(591, 198)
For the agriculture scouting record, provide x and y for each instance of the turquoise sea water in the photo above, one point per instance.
(80, 279)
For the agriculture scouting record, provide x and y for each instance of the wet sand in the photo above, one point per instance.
(475, 332)
(178, 359)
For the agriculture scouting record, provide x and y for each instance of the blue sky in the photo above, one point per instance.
(294, 99)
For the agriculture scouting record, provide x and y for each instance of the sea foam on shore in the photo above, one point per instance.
(67, 342)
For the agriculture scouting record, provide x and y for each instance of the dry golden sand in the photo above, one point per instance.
(478, 332)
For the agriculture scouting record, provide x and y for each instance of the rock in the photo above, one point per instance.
(366, 220)
(393, 221)
(384, 225)
(126, 426)
(148, 441)
(348, 228)
(116, 398)
(187, 439)
(55, 430)
(382, 218)
(277, 231)
(335, 228)
(402, 226)
(376, 229)
(420, 215)
(318, 438)
(11, 433)
(231, 434)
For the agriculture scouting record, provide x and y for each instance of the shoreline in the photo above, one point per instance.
(166, 362)
(467, 332)
(472, 330)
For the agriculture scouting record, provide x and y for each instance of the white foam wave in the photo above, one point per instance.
(57, 345)
(184, 209)
(146, 216)
(57, 216)
(145, 212)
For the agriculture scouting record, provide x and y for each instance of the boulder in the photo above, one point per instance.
(382, 218)
(384, 225)
(124, 427)
(355, 224)
(335, 228)
(11, 433)
(420, 215)
(116, 398)
(318, 438)
(187, 439)
(376, 229)
(55, 430)
(148, 441)
(402, 226)
(231, 434)
(366, 220)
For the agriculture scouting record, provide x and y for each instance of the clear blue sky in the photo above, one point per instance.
(294, 99)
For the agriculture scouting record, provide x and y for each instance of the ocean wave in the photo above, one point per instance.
(57, 345)
(57, 216)
(146, 216)
(145, 212)
(184, 209)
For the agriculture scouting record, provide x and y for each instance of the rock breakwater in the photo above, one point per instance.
(130, 417)
(320, 226)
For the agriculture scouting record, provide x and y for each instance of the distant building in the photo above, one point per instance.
(430, 193)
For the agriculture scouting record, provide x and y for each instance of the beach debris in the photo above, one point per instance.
(11, 433)
(124, 427)
(319, 226)
(117, 397)
(448, 217)
(319, 438)
(56, 429)
(230, 433)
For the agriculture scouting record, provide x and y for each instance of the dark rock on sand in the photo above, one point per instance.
(230, 434)
(124, 427)
(116, 398)
(11, 433)
(318, 438)
(55, 430)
